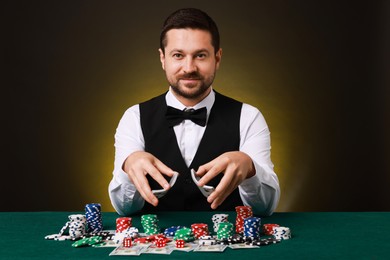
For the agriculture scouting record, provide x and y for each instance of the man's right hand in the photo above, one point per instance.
(138, 165)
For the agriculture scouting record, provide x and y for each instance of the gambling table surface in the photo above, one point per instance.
(315, 235)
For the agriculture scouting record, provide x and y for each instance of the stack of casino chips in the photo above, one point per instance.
(94, 217)
(184, 234)
(282, 233)
(130, 232)
(200, 229)
(252, 227)
(218, 218)
(243, 212)
(150, 224)
(77, 226)
(122, 224)
(88, 241)
(225, 230)
(268, 229)
(170, 232)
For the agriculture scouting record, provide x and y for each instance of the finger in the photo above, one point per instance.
(205, 168)
(142, 186)
(157, 176)
(224, 184)
(214, 171)
(222, 196)
(163, 168)
(227, 185)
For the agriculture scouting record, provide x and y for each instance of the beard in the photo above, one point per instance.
(193, 90)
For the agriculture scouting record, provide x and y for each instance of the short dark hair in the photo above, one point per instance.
(190, 18)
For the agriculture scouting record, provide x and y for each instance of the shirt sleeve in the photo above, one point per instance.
(124, 197)
(261, 191)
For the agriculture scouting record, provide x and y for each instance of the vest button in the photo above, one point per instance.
(188, 180)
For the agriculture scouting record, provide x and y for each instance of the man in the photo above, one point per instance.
(229, 147)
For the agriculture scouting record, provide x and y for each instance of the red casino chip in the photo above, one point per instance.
(268, 229)
(141, 240)
(200, 229)
(243, 212)
(122, 224)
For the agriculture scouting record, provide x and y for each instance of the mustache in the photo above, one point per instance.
(192, 75)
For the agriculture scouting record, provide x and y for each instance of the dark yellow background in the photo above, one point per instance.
(318, 71)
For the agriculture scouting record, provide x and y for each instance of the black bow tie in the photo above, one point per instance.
(176, 116)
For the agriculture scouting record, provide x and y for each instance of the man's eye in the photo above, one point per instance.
(177, 55)
(201, 55)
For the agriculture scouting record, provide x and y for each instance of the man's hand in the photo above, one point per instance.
(236, 167)
(138, 165)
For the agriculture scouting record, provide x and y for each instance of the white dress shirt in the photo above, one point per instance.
(261, 191)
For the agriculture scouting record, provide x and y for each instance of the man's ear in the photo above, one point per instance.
(218, 57)
(162, 58)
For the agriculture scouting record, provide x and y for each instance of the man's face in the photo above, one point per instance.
(190, 62)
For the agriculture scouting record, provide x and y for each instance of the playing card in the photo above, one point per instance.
(205, 190)
(160, 193)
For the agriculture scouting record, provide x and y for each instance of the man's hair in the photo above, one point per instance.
(190, 18)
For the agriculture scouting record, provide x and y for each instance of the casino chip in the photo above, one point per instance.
(252, 227)
(94, 217)
(237, 239)
(207, 241)
(105, 235)
(170, 232)
(76, 227)
(282, 233)
(199, 229)
(243, 212)
(218, 218)
(268, 229)
(150, 224)
(225, 230)
(184, 234)
(88, 241)
(263, 242)
(52, 237)
(122, 224)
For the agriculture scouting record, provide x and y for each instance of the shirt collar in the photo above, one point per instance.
(207, 102)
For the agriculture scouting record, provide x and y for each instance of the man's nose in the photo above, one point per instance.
(189, 65)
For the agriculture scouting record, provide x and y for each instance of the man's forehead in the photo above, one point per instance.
(188, 38)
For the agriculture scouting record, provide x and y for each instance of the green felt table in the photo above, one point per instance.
(316, 235)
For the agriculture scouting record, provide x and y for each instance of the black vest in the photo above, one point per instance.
(222, 135)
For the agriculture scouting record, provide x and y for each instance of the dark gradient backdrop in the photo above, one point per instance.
(318, 71)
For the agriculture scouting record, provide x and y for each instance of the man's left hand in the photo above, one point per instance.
(235, 166)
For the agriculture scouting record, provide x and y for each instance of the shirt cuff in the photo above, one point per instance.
(252, 183)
